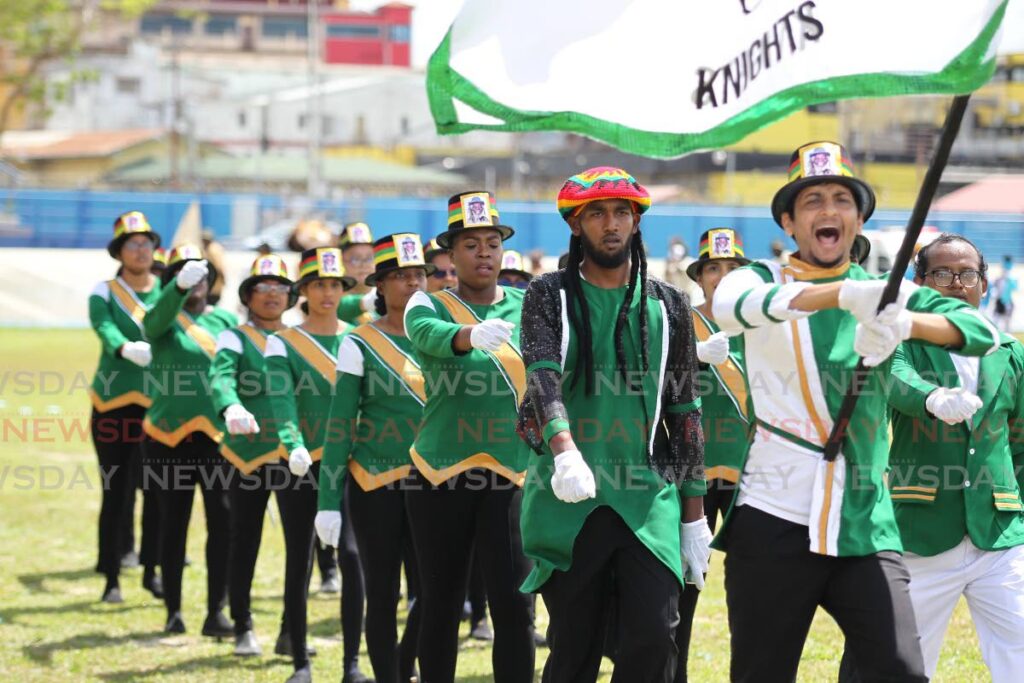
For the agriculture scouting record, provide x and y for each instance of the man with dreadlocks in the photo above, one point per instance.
(613, 410)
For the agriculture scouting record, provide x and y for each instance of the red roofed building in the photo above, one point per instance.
(380, 38)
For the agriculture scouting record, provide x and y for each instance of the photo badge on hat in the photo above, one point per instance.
(328, 263)
(476, 209)
(355, 233)
(408, 250)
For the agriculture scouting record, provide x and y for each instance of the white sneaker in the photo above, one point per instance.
(246, 645)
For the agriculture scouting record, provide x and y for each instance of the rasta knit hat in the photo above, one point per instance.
(602, 182)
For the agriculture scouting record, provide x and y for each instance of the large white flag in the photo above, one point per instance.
(666, 77)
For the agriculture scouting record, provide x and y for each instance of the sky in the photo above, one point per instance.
(430, 21)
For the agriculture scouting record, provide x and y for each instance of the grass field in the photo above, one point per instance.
(53, 627)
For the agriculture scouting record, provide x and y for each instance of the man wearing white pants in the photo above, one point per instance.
(957, 435)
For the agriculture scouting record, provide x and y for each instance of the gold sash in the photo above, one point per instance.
(200, 335)
(507, 358)
(728, 372)
(255, 336)
(129, 303)
(395, 360)
(314, 354)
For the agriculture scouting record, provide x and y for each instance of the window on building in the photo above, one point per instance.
(404, 124)
(241, 119)
(353, 31)
(221, 25)
(128, 86)
(302, 121)
(327, 126)
(284, 27)
(399, 34)
(158, 23)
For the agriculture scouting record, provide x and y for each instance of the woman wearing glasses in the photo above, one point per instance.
(301, 365)
(444, 276)
(119, 401)
(239, 385)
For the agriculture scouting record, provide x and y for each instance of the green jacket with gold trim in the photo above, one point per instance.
(951, 481)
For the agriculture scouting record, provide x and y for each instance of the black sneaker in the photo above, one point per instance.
(218, 626)
(175, 624)
(130, 560)
(355, 676)
(481, 630)
(303, 675)
(283, 646)
(152, 582)
(112, 595)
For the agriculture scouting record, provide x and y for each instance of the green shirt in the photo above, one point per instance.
(116, 312)
(178, 380)
(379, 400)
(239, 375)
(952, 481)
(611, 430)
(350, 310)
(301, 373)
(472, 399)
(725, 406)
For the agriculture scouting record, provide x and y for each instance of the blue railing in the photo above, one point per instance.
(82, 219)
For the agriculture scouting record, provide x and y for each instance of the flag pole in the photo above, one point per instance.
(899, 268)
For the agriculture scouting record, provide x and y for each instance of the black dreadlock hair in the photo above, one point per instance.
(574, 292)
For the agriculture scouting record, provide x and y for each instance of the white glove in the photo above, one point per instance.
(861, 297)
(877, 339)
(715, 350)
(138, 352)
(239, 420)
(190, 274)
(369, 301)
(952, 406)
(328, 527)
(695, 543)
(490, 334)
(299, 461)
(572, 481)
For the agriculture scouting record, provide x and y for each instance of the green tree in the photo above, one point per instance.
(35, 33)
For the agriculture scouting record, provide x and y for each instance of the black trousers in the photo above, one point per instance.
(611, 568)
(774, 585)
(175, 473)
(477, 592)
(297, 503)
(716, 501)
(382, 533)
(474, 510)
(249, 495)
(353, 592)
(117, 436)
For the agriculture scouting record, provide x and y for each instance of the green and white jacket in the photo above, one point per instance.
(116, 312)
(952, 481)
(798, 368)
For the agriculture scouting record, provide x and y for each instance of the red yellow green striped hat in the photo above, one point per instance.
(266, 267)
(717, 243)
(822, 162)
(472, 210)
(182, 254)
(321, 263)
(397, 251)
(128, 224)
(432, 249)
(602, 182)
(512, 261)
(353, 234)
(160, 256)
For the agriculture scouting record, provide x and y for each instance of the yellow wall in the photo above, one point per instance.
(895, 186)
(91, 170)
(778, 138)
(404, 155)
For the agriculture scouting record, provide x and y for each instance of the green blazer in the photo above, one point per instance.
(951, 481)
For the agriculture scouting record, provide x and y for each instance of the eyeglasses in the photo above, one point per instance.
(138, 246)
(367, 261)
(521, 284)
(270, 288)
(944, 277)
(442, 274)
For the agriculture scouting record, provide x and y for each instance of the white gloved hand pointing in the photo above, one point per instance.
(489, 335)
(861, 297)
(138, 352)
(328, 527)
(715, 350)
(299, 461)
(191, 274)
(239, 420)
(952, 406)
(877, 339)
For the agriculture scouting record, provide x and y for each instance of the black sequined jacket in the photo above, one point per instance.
(678, 450)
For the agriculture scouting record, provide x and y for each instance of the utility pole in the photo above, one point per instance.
(313, 180)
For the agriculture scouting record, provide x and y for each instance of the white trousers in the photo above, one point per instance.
(992, 583)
